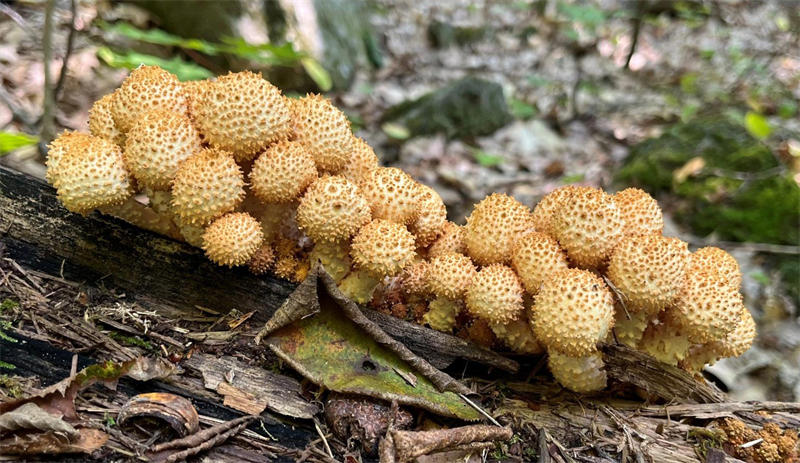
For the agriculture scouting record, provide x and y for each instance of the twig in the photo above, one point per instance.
(479, 409)
(637, 25)
(200, 437)
(67, 52)
(48, 114)
(324, 440)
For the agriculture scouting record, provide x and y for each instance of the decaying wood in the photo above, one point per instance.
(162, 273)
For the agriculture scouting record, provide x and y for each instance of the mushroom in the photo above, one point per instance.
(716, 258)
(90, 173)
(362, 162)
(640, 211)
(380, 249)
(334, 256)
(101, 121)
(282, 173)
(536, 257)
(665, 340)
(392, 195)
(494, 226)
(518, 335)
(449, 276)
(450, 240)
(495, 295)
(708, 306)
(332, 209)
(734, 344)
(146, 88)
(578, 374)
(414, 280)
(551, 202)
(206, 185)
(648, 270)
(262, 260)
(232, 239)
(432, 217)
(58, 148)
(629, 326)
(157, 143)
(324, 131)
(588, 226)
(573, 311)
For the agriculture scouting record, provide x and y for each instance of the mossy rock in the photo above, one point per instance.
(468, 107)
(731, 196)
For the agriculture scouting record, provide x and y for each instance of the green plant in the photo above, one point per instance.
(11, 141)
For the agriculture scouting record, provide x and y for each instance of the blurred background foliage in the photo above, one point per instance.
(694, 101)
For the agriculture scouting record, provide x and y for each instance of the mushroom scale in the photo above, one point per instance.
(493, 228)
(324, 130)
(282, 173)
(232, 239)
(332, 209)
(145, 89)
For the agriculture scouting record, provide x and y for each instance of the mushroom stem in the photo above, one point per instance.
(441, 314)
(138, 214)
(359, 286)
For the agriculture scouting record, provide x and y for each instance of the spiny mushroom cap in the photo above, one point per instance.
(324, 130)
(578, 374)
(383, 248)
(282, 173)
(518, 335)
(738, 341)
(574, 310)
(362, 162)
(415, 279)
(648, 270)
(588, 225)
(193, 89)
(91, 174)
(332, 209)
(206, 185)
(495, 294)
(58, 148)
(449, 275)
(715, 258)
(262, 260)
(707, 307)
(451, 240)
(536, 257)
(493, 228)
(432, 216)
(392, 195)
(551, 202)
(640, 212)
(145, 89)
(101, 122)
(277, 219)
(232, 239)
(241, 113)
(156, 144)
(629, 326)
(665, 341)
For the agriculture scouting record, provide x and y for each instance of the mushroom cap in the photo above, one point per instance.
(232, 239)
(551, 202)
(383, 248)
(716, 258)
(648, 270)
(536, 257)
(415, 279)
(495, 294)
(432, 217)
(640, 212)
(332, 209)
(362, 162)
(193, 90)
(156, 144)
(101, 121)
(241, 113)
(449, 275)
(392, 195)
(707, 306)
(629, 326)
(518, 335)
(282, 173)
(91, 174)
(451, 240)
(277, 219)
(262, 260)
(493, 228)
(324, 130)
(665, 340)
(56, 150)
(146, 88)
(738, 341)
(578, 374)
(206, 185)
(573, 311)
(588, 225)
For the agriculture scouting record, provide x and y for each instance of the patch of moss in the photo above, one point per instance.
(8, 304)
(131, 340)
(11, 385)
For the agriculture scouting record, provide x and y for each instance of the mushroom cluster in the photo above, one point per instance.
(277, 184)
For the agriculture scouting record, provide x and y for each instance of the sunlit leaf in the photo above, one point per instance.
(185, 70)
(757, 125)
(486, 159)
(574, 178)
(13, 141)
(317, 73)
(521, 109)
(397, 131)
(160, 37)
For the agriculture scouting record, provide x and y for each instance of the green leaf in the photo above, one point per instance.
(317, 73)
(757, 125)
(332, 351)
(485, 159)
(588, 15)
(11, 141)
(689, 83)
(160, 37)
(574, 178)
(396, 131)
(521, 109)
(185, 70)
